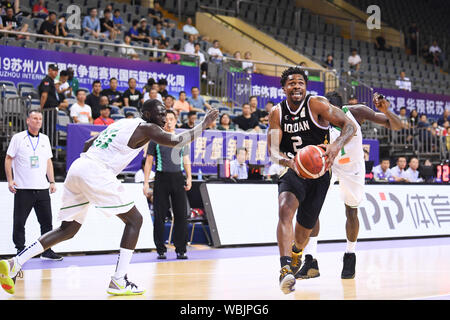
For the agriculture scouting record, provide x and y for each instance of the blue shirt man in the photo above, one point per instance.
(238, 167)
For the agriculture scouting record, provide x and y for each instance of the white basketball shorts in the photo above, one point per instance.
(351, 177)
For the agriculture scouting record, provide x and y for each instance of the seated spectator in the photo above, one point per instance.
(91, 24)
(256, 112)
(380, 43)
(93, 99)
(413, 118)
(215, 53)
(189, 47)
(158, 32)
(132, 97)
(10, 23)
(107, 26)
(196, 101)
(174, 58)
(238, 167)
(63, 103)
(445, 117)
(403, 83)
(39, 10)
(354, 60)
(412, 174)
(114, 96)
(190, 122)
(62, 31)
(117, 20)
(48, 26)
(189, 30)
(144, 31)
(129, 115)
(162, 84)
(382, 172)
(303, 65)
(273, 170)
(81, 112)
(133, 31)
(247, 121)
(155, 13)
(225, 123)
(398, 172)
(425, 54)
(157, 55)
(435, 52)
(108, 7)
(169, 102)
(152, 94)
(329, 62)
(148, 85)
(202, 61)
(352, 100)
(265, 113)
(104, 119)
(248, 67)
(64, 88)
(158, 95)
(73, 81)
(181, 104)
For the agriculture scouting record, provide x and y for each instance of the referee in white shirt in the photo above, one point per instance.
(28, 164)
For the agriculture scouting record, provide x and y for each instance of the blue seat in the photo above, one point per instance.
(115, 110)
(183, 115)
(22, 85)
(224, 110)
(129, 109)
(213, 101)
(237, 110)
(116, 117)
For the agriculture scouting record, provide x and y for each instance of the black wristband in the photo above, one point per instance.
(52, 182)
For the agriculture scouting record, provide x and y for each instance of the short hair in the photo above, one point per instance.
(245, 104)
(240, 149)
(131, 79)
(181, 93)
(194, 88)
(401, 157)
(116, 10)
(196, 44)
(413, 157)
(215, 41)
(135, 22)
(106, 11)
(95, 82)
(290, 71)
(191, 113)
(335, 98)
(80, 90)
(162, 81)
(271, 102)
(171, 112)
(33, 110)
(64, 73)
(251, 97)
(112, 79)
(402, 108)
(171, 97)
(52, 12)
(385, 159)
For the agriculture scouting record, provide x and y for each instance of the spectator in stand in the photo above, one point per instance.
(380, 43)
(225, 123)
(329, 62)
(117, 20)
(144, 31)
(129, 115)
(48, 26)
(132, 97)
(93, 99)
(412, 174)
(412, 38)
(10, 23)
(382, 172)
(155, 13)
(133, 31)
(80, 112)
(265, 113)
(189, 30)
(158, 95)
(73, 81)
(107, 26)
(64, 88)
(425, 53)
(104, 118)
(191, 119)
(181, 104)
(39, 10)
(403, 118)
(196, 101)
(189, 47)
(354, 60)
(128, 51)
(215, 53)
(169, 102)
(102, 12)
(62, 31)
(91, 24)
(152, 94)
(435, 52)
(162, 84)
(114, 96)
(413, 118)
(247, 121)
(352, 100)
(403, 83)
(303, 65)
(158, 32)
(238, 167)
(257, 113)
(248, 67)
(148, 85)
(159, 56)
(398, 172)
(445, 117)
(202, 60)
(423, 122)
(174, 58)
(273, 170)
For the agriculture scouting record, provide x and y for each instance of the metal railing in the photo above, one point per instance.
(14, 115)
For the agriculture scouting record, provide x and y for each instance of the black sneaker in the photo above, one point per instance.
(287, 280)
(182, 256)
(348, 270)
(296, 262)
(161, 256)
(310, 268)
(50, 255)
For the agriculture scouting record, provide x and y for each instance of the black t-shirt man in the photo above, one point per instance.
(246, 123)
(133, 98)
(47, 26)
(94, 102)
(108, 22)
(48, 85)
(113, 96)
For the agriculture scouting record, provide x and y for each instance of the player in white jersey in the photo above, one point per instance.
(349, 169)
(92, 180)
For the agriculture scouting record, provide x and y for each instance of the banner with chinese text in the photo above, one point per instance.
(30, 65)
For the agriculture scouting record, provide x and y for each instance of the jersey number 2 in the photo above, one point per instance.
(296, 143)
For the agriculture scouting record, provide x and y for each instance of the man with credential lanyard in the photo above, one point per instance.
(28, 164)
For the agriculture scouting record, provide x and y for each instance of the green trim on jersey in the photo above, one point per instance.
(158, 159)
(77, 205)
(112, 207)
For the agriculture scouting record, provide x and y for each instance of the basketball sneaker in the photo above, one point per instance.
(123, 287)
(9, 271)
(296, 262)
(310, 268)
(287, 280)
(348, 270)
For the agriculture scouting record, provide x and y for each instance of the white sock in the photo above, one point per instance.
(311, 247)
(29, 252)
(123, 261)
(350, 247)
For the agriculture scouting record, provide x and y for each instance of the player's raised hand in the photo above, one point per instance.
(331, 151)
(380, 103)
(210, 117)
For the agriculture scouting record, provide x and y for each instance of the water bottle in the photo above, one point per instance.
(199, 175)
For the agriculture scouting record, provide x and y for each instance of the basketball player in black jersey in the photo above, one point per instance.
(294, 123)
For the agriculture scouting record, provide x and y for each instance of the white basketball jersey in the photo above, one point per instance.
(111, 146)
(353, 151)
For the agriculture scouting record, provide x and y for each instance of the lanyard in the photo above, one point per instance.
(32, 146)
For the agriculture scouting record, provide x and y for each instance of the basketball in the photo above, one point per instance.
(310, 162)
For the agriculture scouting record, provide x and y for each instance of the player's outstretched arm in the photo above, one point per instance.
(336, 117)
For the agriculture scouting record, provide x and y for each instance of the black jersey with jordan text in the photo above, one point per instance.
(299, 128)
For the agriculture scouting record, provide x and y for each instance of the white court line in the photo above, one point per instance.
(428, 297)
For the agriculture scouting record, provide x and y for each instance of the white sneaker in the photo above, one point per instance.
(123, 287)
(9, 270)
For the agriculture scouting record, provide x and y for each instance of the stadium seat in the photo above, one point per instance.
(129, 109)
(115, 110)
(116, 117)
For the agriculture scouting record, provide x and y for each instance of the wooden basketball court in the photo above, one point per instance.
(411, 269)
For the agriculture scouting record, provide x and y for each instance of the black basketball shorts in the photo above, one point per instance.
(309, 192)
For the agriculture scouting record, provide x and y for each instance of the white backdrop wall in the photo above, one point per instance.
(98, 233)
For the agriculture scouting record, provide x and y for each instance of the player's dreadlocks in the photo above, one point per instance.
(290, 71)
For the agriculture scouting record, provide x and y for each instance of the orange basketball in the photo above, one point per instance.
(310, 162)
